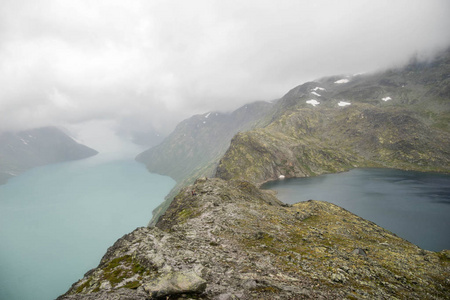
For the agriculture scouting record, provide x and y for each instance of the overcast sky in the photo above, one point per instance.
(128, 66)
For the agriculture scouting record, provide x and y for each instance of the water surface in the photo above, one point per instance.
(57, 221)
(413, 205)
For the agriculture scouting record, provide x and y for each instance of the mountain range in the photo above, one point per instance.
(219, 236)
(397, 118)
(20, 151)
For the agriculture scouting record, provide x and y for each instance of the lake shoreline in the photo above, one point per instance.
(338, 193)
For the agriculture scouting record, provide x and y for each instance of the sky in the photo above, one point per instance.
(108, 71)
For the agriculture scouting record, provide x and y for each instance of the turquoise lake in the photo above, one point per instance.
(57, 221)
(413, 205)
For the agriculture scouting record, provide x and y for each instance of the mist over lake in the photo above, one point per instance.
(413, 205)
(57, 221)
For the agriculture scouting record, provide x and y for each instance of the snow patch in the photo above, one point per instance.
(345, 80)
(281, 177)
(207, 115)
(204, 122)
(314, 93)
(313, 102)
(24, 141)
(386, 99)
(318, 88)
(343, 103)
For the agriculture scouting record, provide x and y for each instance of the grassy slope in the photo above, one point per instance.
(409, 132)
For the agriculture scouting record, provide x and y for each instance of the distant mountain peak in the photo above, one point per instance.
(20, 151)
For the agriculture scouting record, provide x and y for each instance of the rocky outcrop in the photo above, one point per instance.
(229, 240)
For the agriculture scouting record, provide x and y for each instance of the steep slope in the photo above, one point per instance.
(312, 141)
(231, 240)
(199, 140)
(396, 119)
(196, 145)
(36, 147)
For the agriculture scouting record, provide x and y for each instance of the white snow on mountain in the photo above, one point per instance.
(343, 103)
(318, 88)
(313, 102)
(386, 99)
(314, 93)
(345, 80)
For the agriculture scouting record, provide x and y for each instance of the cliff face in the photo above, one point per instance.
(230, 240)
(20, 151)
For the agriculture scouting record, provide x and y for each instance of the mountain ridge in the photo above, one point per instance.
(302, 144)
(419, 90)
(194, 148)
(231, 240)
(224, 238)
(20, 151)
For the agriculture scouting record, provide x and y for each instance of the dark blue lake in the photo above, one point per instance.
(413, 205)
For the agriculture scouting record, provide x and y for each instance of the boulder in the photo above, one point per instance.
(359, 251)
(176, 283)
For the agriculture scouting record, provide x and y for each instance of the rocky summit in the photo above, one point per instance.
(230, 240)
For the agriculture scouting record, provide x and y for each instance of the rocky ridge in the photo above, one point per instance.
(230, 240)
(223, 238)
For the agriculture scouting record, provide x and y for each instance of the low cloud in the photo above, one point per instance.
(149, 64)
